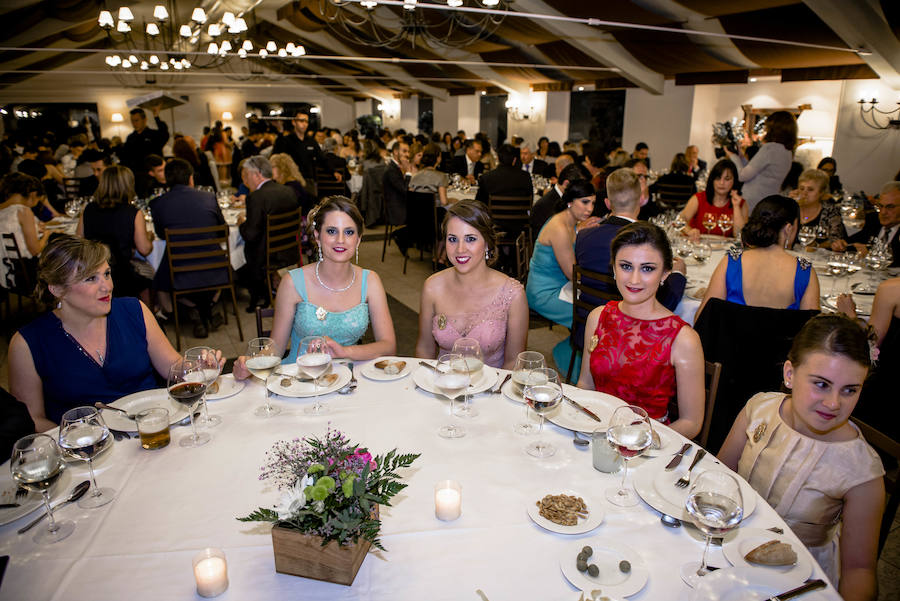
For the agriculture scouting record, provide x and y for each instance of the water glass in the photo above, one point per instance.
(261, 360)
(630, 433)
(83, 433)
(314, 361)
(543, 394)
(451, 378)
(473, 360)
(526, 363)
(211, 369)
(36, 464)
(716, 506)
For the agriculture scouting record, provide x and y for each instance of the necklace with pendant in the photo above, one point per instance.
(81, 348)
(322, 312)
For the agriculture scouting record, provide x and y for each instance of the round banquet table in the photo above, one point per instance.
(174, 501)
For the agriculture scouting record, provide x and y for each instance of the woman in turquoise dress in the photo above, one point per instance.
(332, 297)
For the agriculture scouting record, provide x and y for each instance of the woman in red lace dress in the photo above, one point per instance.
(640, 351)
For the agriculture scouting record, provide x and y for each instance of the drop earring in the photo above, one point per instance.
(357, 254)
(320, 254)
(487, 255)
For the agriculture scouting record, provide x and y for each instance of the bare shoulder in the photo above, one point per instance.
(687, 340)
(436, 283)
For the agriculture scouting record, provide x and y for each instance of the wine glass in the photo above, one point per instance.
(261, 360)
(314, 361)
(82, 433)
(543, 394)
(211, 369)
(678, 222)
(451, 378)
(35, 464)
(821, 233)
(837, 266)
(684, 248)
(716, 504)
(526, 363)
(473, 360)
(725, 222)
(702, 252)
(630, 433)
(806, 235)
(709, 222)
(187, 384)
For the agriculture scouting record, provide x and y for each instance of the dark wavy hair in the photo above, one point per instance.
(643, 232)
(781, 128)
(768, 218)
(716, 172)
(835, 334)
(578, 188)
(476, 214)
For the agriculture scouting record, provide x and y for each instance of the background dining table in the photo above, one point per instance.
(172, 502)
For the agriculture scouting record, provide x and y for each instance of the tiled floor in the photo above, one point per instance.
(405, 289)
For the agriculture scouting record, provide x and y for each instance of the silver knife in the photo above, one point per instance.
(805, 588)
(677, 458)
(584, 409)
(428, 365)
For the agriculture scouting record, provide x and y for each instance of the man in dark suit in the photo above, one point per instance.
(469, 164)
(395, 183)
(507, 179)
(266, 197)
(144, 141)
(592, 244)
(697, 165)
(183, 206)
(530, 164)
(887, 226)
(152, 180)
(551, 202)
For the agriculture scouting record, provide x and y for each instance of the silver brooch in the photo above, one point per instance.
(759, 432)
(321, 313)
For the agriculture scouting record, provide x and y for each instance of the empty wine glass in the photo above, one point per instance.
(701, 252)
(82, 433)
(314, 361)
(451, 378)
(36, 463)
(709, 222)
(211, 369)
(837, 266)
(543, 394)
(806, 235)
(630, 433)
(716, 505)
(725, 222)
(186, 384)
(261, 360)
(526, 363)
(473, 359)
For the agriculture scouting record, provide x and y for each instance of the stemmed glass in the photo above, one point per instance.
(473, 360)
(806, 235)
(821, 233)
(716, 504)
(702, 252)
(36, 464)
(187, 385)
(261, 360)
(314, 361)
(837, 266)
(542, 393)
(211, 369)
(709, 222)
(526, 363)
(725, 222)
(451, 378)
(82, 432)
(630, 433)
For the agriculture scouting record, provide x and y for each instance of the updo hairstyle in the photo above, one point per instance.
(768, 219)
(66, 260)
(834, 334)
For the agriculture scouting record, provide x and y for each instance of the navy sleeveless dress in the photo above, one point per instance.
(72, 378)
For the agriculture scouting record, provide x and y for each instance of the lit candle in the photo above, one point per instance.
(447, 500)
(210, 572)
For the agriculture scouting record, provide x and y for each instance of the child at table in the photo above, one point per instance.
(801, 453)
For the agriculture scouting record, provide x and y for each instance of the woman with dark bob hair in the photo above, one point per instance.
(764, 174)
(721, 197)
(618, 334)
(90, 347)
(332, 297)
(764, 274)
(472, 300)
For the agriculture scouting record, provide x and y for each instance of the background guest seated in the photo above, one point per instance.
(818, 212)
(719, 198)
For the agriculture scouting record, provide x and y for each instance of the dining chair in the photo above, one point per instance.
(283, 244)
(673, 196)
(204, 253)
(327, 185)
(885, 445)
(590, 290)
(522, 257)
(266, 314)
(19, 278)
(438, 248)
(712, 372)
(511, 215)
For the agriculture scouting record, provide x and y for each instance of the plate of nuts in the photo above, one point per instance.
(597, 563)
(565, 513)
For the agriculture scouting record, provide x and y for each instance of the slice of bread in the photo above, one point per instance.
(772, 553)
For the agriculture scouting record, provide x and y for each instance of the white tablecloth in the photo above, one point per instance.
(175, 501)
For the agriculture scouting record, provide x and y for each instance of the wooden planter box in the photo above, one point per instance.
(303, 555)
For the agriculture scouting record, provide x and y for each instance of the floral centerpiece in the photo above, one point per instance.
(330, 488)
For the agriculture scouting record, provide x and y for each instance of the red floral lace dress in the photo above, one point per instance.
(631, 359)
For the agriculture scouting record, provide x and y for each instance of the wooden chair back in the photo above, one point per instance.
(283, 244)
(673, 196)
(885, 445)
(587, 296)
(327, 185)
(523, 258)
(511, 214)
(712, 372)
(267, 314)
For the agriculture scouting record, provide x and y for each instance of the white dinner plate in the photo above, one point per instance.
(510, 392)
(228, 386)
(33, 501)
(308, 389)
(134, 403)
(863, 303)
(657, 486)
(572, 418)
(424, 379)
(373, 373)
(746, 584)
(606, 556)
(594, 519)
(747, 539)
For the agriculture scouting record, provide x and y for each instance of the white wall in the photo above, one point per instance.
(663, 122)
(446, 114)
(556, 125)
(469, 114)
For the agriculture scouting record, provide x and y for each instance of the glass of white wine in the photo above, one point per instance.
(526, 363)
(451, 378)
(314, 361)
(543, 394)
(82, 432)
(473, 360)
(716, 505)
(261, 360)
(36, 463)
(210, 369)
(630, 433)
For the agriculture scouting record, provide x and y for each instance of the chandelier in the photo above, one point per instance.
(430, 21)
(206, 41)
(893, 116)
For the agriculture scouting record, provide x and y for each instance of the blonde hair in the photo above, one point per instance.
(816, 176)
(66, 260)
(116, 187)
(287, 168)
(623, 189)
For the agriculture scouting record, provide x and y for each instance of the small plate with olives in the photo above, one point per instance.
(597, 563)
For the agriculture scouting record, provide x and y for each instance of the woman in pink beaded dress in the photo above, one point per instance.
(472, 300)
(640, 351)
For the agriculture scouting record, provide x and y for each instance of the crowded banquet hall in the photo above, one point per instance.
(360, 299)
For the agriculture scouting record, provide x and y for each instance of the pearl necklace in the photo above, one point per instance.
(329, 288)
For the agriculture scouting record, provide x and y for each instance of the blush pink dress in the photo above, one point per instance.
(487, 326)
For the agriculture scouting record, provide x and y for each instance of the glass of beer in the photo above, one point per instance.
(153, 426)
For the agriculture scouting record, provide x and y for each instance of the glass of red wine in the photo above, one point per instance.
(186, 385)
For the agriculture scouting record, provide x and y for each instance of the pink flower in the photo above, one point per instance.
(365, 457)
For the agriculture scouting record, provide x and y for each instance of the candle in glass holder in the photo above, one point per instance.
(447, 500)
(210, 572)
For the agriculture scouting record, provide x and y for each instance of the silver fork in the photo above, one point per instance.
(685, 480)
(21, 493)
(351, 385)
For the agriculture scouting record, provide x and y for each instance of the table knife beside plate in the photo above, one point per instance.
(678, 457)
(804, 588)
(583, 409)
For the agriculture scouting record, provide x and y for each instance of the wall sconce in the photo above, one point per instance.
(515, 109)
(893, 116)
(117, 118)
(227, 116)
(315, 110)
(390, 108)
